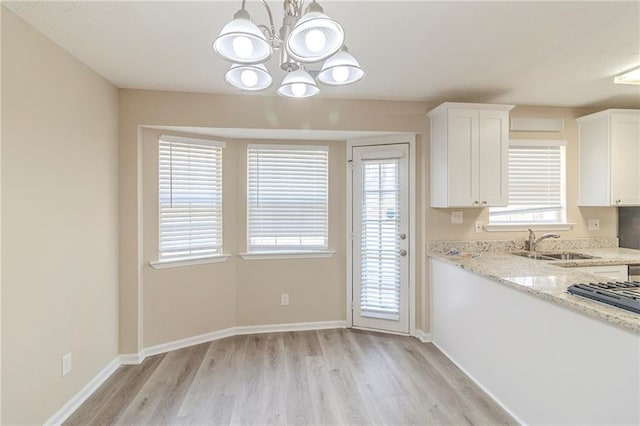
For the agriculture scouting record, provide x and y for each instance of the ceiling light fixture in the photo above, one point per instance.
(341, 68)
(298, 84)
(304, 38)
(252, 78)
(629, 77)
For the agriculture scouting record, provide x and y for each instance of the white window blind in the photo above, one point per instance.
(536, 184)
(287, 198)
(380, 245)
(190, 198)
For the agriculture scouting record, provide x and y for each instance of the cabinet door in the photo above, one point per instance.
(462, 128)
(493, 164)
(612, 272)
(594, 163)
(625, 159)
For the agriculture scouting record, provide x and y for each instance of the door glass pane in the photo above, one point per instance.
(380, 245)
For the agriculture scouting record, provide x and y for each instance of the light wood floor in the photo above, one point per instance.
(327, 377)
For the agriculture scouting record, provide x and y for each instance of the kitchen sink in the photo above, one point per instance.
(568, 256)
(553, 256)
(533, 255)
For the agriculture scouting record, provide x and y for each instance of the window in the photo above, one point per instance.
(190, 198)
(287, 199)
(536, 184)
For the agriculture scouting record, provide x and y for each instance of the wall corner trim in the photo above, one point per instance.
(131, 359)
(76, 400)
(423, 336)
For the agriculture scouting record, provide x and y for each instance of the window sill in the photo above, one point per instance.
(177, 263)
(272, 255)
(532, 226)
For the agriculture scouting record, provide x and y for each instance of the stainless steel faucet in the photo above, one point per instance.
(533, 242)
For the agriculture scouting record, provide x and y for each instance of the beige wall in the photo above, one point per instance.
(59, 221)
(258, 304)
(187, 301)
(193, 300)
(316, 286)
(439, 225)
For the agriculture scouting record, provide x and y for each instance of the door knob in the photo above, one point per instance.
(403, 252)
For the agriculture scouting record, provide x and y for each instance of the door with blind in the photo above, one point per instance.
(381, 237)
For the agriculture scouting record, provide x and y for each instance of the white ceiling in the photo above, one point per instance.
(527, 53)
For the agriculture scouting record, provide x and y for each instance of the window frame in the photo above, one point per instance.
(563, 223)
(179, 261)
(286, 252)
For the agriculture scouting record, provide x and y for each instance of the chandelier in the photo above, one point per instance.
(304, 39)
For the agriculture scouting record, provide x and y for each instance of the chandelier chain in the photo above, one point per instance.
(292, 8)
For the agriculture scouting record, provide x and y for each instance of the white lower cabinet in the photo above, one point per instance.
(613, 272)
(544, 363)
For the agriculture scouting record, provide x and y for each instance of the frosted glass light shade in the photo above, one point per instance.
(251, 78)
(298, 84)
(242, 42)
(315, 37)
(340, 69)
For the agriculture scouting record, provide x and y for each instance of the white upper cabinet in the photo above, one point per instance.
(469, 155)
(609, 158)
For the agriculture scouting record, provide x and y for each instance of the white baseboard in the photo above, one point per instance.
(72, 405)
(279, 328)
(228, 332)
(423, 336)
(183, 343)
(481, 386)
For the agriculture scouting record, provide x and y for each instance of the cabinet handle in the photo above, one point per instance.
(484, 202)
(475, 203)
(618, 201)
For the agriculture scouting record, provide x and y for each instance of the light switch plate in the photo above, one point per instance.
(478, 227)
(594, 224)
(456, 218)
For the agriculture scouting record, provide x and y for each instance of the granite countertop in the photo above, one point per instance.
(549, 280)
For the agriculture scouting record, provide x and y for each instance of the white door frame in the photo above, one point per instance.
(409, 138)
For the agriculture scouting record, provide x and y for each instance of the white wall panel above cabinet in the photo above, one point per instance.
(531, 124)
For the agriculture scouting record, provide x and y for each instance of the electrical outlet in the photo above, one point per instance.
(478, 227)
(594, 224)
(456, 217)
(284, 299)
(66, 364)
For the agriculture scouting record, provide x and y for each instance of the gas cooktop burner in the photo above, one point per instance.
(625, 295)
